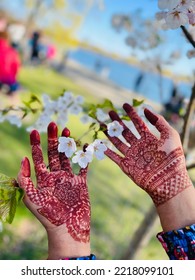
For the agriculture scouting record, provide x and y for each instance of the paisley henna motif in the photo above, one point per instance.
(150, 162)
(60, 196)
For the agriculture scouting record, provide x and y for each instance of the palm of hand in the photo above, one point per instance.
(61, 197)
(63, 200)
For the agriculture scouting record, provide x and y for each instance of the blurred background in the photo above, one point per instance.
(98, 49)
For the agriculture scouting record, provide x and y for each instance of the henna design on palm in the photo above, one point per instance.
(60, 195)
(156, 165)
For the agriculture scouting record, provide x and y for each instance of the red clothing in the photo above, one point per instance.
(9, 63)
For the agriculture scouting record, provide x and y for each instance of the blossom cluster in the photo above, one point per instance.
(69, 104)
(176, 13)
(68, 146)
(57, 110)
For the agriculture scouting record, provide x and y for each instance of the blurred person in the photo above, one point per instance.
(157, 165)
(9, 65)
(35, 47)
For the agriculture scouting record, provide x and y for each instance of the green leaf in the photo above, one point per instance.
(10, 196)
(106, 104)
(136, 102)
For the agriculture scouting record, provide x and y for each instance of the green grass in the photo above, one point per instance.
(118, 206)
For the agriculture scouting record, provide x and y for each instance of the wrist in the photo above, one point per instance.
(62, 246)
(179, 211)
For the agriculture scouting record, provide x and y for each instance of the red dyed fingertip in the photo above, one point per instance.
(52, 131)
(150, 116)
(127, 107)
(34, 137)
(114, 116)
(25, 167)
(66, 132)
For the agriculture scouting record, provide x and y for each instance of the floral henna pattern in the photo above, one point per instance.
(60, 196)
(68, 203)
(148, 162)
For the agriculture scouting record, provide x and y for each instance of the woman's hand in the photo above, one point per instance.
(155, 164)
(60, 200)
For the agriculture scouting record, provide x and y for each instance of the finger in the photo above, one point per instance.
(27, 185)
(159, 122)
(123, 148)
(137, 121)
(127, 134)
(53, 155)
(113, 156)
(37, 155)
(64, 161)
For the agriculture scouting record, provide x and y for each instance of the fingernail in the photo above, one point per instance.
(114, 116)
(66, 132)
(127, 107)
(150, 116)
(25, 165)
(34, 137)
(52, 130)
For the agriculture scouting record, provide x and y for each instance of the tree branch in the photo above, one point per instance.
(188, 35)
(187, 121)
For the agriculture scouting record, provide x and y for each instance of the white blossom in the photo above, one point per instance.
(62, 118)
(67, 145)
(86, 119)
(13, 119)
(75, 109)
(101, 116)
(176, 13)
(83, 158)
(48, 104)
(97, 148)
(67, 98)
(114, 129)
(176, 18)
(167, 4)
(79, 99)
(42, 122)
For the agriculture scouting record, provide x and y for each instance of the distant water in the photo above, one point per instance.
(130, 77)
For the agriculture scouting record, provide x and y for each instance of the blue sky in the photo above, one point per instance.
(97, 30)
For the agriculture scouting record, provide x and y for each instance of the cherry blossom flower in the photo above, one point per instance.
(82, 158)
(67, 98)
(67, 145)
(97, 148)
(114, 129)
(75, 109)
(167, 4)
(48, 104)
(176, 18)
(101, 116)
(79, 100)
(87, 119)
(176, 13)
(13, 119)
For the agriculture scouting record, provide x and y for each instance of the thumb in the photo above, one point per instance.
(24, 172)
